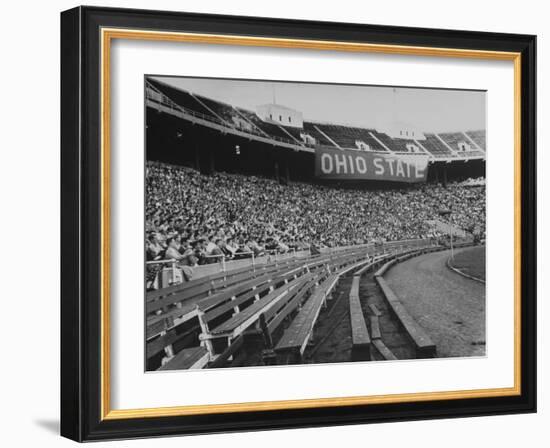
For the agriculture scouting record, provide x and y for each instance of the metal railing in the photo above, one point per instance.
(223, 260)
(173, 265)
(156, 96)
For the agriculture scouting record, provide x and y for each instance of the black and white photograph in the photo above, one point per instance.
(305, 223)
(275, 222)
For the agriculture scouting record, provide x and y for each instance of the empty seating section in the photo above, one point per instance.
(275, 291)
(324, 134)
(292, 344)
(338, 134)
(188, 358)
(309, 128)
(347, 136)
(242, 319)
(294, 132)
(269, 301)
(424, 346)
(183, 99)
(436, 147)
(166, 312)
(359, 333)
(453, 139)
(203, 322)
(365, 135)
(182, 324)
(478, 137)
(396, 144)
(331, 135)
(224, 111)
(271, 129)
(275, 316)
(227, 300)
(297, 335)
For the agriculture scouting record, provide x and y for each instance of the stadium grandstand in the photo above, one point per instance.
(246, 244)
(287, 151)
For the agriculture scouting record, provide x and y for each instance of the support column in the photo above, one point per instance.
(197, 161)
(276, 169)
(287, 173)
(211, 163)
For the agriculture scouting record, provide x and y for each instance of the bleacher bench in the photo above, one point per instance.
(360, 350)
(425, 348)
(188, 358)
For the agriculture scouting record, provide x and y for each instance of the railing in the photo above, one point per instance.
(155, 96)
(173, 266)
(224, 263)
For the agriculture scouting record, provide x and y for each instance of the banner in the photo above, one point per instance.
(355, 165)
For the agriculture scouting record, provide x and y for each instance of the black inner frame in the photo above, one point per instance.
(80, 223)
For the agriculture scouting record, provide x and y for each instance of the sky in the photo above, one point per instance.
(428, 110)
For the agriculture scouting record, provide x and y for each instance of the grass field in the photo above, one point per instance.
(471, 262)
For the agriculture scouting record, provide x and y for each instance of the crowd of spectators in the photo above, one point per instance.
(196, 218)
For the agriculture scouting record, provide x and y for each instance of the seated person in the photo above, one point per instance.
(154, 250)
(173, 253)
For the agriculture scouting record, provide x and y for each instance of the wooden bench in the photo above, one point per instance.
(275, 316)
(384, 268)
(220, 338)
(205, 286)
(425, 348)
(241, 321)
(192, 307)
(164, 330)
(230, 301)
(188, 358)
(169, 325)
(170, 341)
(366, 268)
(175, 307)
(375, 327)
(360, 350)
(375, 310)
(307, 265)
(292, 345)
(296, 337)
(229, 319)
(384, 351)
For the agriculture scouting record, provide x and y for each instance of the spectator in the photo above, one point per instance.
(173, 253)
(239, 215)
(154, 250)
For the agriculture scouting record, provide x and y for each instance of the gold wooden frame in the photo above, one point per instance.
(107, 35)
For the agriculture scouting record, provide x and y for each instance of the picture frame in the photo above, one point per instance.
(87, 34)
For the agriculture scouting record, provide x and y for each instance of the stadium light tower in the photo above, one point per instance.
(447, 212)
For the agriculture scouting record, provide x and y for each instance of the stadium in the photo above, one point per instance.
(275, 240)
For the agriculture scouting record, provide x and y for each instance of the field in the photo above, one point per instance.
(471, 262)
(449, 306)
